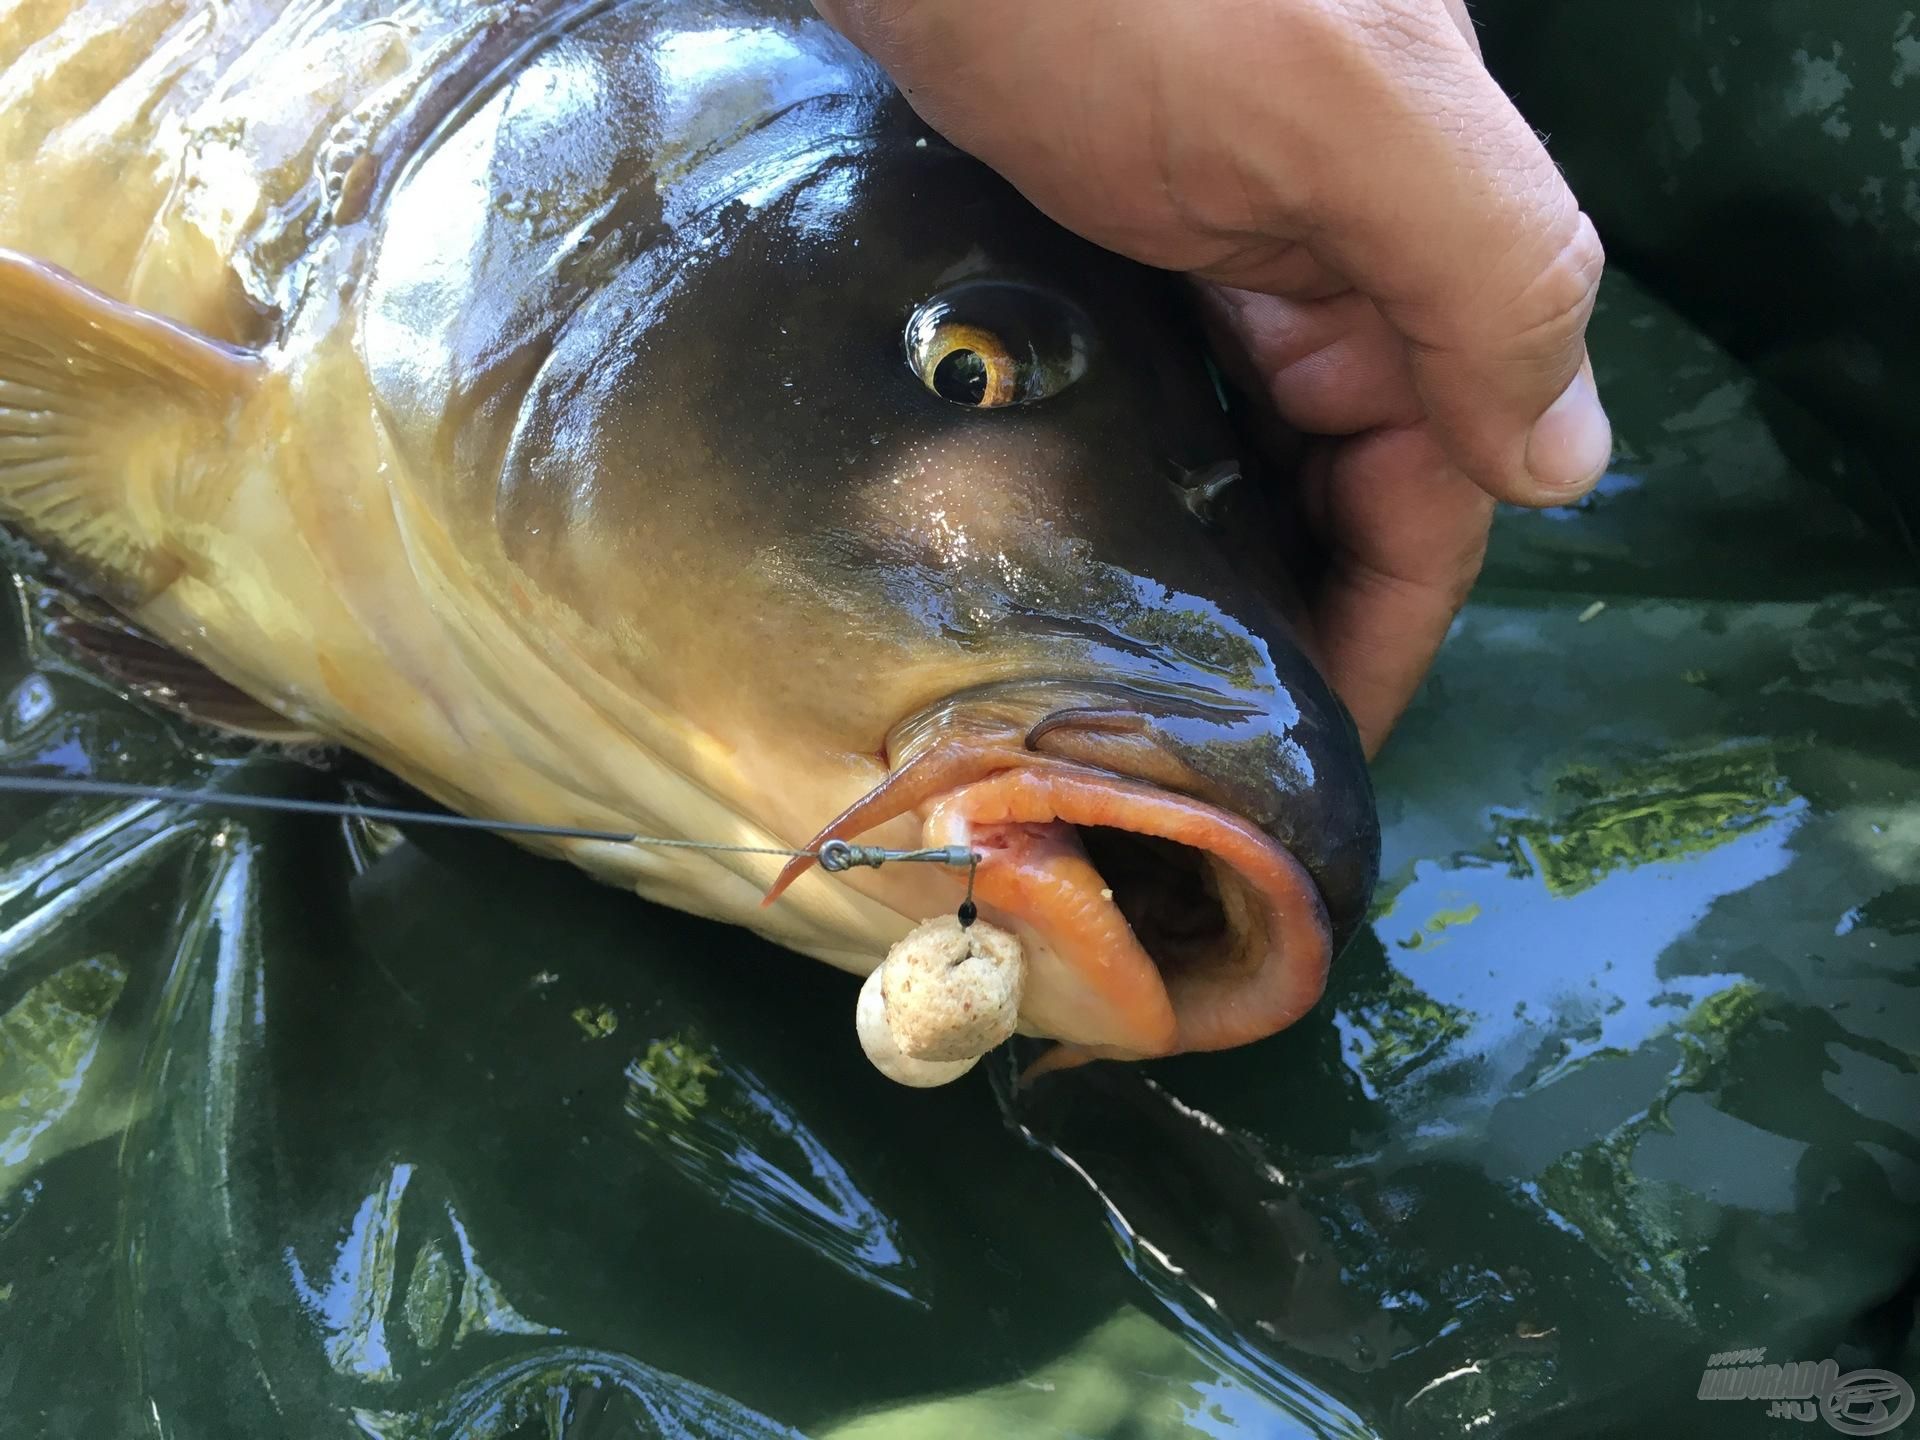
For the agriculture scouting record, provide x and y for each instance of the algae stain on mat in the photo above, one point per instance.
(49, 1040)
(1613, 869)
(1392, 1031)
(1609, 1193)
(1675, 807)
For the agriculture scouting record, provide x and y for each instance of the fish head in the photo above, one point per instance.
(925, 515)
(912, 474)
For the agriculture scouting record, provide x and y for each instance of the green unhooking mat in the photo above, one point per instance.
(310, 1128)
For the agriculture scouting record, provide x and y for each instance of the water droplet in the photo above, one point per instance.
(32, 702)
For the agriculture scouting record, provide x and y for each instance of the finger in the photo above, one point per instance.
(1468, 239)
(1263, 266)
(1407, 533)
(1463, 22)
(1405, 530)
(1330, 367)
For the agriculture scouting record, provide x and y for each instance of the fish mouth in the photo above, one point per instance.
(1177, 925)
(1156, 922)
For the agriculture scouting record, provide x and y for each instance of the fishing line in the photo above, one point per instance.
(970, 912)
(933, 1006)
(834, 856)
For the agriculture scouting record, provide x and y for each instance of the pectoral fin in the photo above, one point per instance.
(133, 660)
(117, 428)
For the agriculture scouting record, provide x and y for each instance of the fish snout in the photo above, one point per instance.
(1181, 869)
(1306, 786)
(1239, 861)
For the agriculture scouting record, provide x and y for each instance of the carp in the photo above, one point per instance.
(630, 416)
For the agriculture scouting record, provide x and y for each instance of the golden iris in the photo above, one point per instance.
(989, 344)
(968, 366)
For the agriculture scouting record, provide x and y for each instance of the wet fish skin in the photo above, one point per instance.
(516, 393)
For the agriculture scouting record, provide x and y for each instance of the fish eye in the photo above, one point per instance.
(967, 365)
(991, 344)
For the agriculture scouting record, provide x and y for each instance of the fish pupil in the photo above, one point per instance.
(961, 377)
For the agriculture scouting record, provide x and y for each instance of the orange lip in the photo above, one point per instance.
(1261, 975)
(1098, 983)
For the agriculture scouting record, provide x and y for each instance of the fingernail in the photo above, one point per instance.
(1571, 444)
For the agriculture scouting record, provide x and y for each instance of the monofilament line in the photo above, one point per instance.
(62, 785)
(834, 856)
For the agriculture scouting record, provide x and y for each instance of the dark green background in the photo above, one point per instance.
(307, 1129)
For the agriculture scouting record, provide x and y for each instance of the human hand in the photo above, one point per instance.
(1400, 264)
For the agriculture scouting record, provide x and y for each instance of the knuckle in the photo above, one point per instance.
(1560, 297)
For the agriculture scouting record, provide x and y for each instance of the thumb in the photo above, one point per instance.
(1465, 236)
